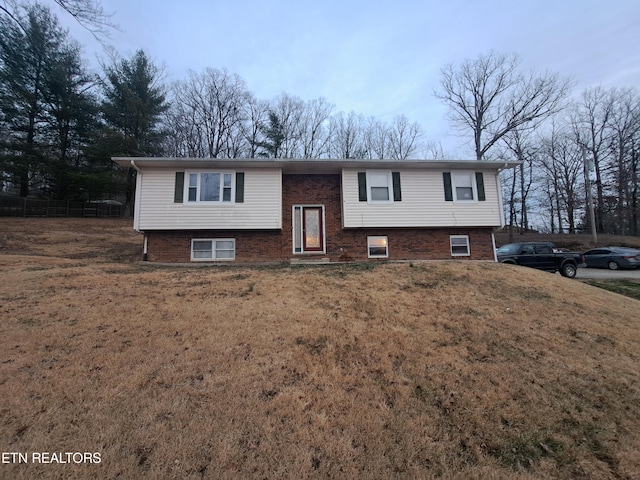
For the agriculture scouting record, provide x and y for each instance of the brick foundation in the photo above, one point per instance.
(254, 246)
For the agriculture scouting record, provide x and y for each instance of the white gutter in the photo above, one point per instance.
(493, 242)
(136, 201)
(500, 202)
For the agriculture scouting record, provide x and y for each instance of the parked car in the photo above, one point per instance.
(541, 255)
(612, 258)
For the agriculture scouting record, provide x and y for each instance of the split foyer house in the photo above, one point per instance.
(287, 210)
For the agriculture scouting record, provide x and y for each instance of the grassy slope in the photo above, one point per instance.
(445, 369)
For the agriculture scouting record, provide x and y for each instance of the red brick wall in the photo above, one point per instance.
(252, 246)
(341, 244)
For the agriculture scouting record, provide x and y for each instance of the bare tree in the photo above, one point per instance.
(346, 136)
(522, 146)
(289, 111)
(434, 151)
(403, 138)
(88, 13)
(491, 98)
(560, 162)
(256, 113)
(625, 126)
(208, 111)
(314, 130)
(375, 139)
(591, 122)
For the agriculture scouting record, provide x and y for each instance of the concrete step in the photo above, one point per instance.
(309, 261)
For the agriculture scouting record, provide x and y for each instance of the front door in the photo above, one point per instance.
(308, 229)
(312, 232)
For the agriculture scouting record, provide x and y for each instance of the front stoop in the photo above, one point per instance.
(309, 261)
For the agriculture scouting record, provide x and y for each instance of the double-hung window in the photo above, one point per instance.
(211, 187)
(213, 249)
(460, 245)
(378, 247)
(464, 186)
(463, 183)
(379, 186)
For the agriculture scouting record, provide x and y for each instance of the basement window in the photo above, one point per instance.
(213, 249)
(460, 245)
(378, 247)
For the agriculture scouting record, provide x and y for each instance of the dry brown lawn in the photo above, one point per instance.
(452, 369)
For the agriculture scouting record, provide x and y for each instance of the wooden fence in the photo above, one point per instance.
(31, 207)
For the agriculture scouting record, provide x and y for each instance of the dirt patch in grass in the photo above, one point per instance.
(452, 369)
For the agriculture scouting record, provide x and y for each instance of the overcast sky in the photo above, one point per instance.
(377, 58)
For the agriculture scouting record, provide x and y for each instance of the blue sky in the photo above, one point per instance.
(377, 58)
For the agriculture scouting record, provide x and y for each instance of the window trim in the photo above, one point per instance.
(197, 201)
(214, 250)
(386, 245)
(474, 187)
(467, 245)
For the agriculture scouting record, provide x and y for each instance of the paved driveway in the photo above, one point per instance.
(605, 274)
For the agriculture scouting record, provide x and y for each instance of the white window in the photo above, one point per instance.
(460, 245)
(378, 247)
(464, 187)
(213, 249)
(210, 187)
(380, 187)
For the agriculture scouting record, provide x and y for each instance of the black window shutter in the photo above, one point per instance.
(178, 195)
(239, 187)
(480, 185)
(448, 192)
(362, 186)
(397, 193)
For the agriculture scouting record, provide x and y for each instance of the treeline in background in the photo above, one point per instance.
(60, 124)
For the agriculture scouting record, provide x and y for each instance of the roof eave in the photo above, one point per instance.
(311, 165)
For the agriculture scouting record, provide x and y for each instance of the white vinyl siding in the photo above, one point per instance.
(422, 205)
(261, 208)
